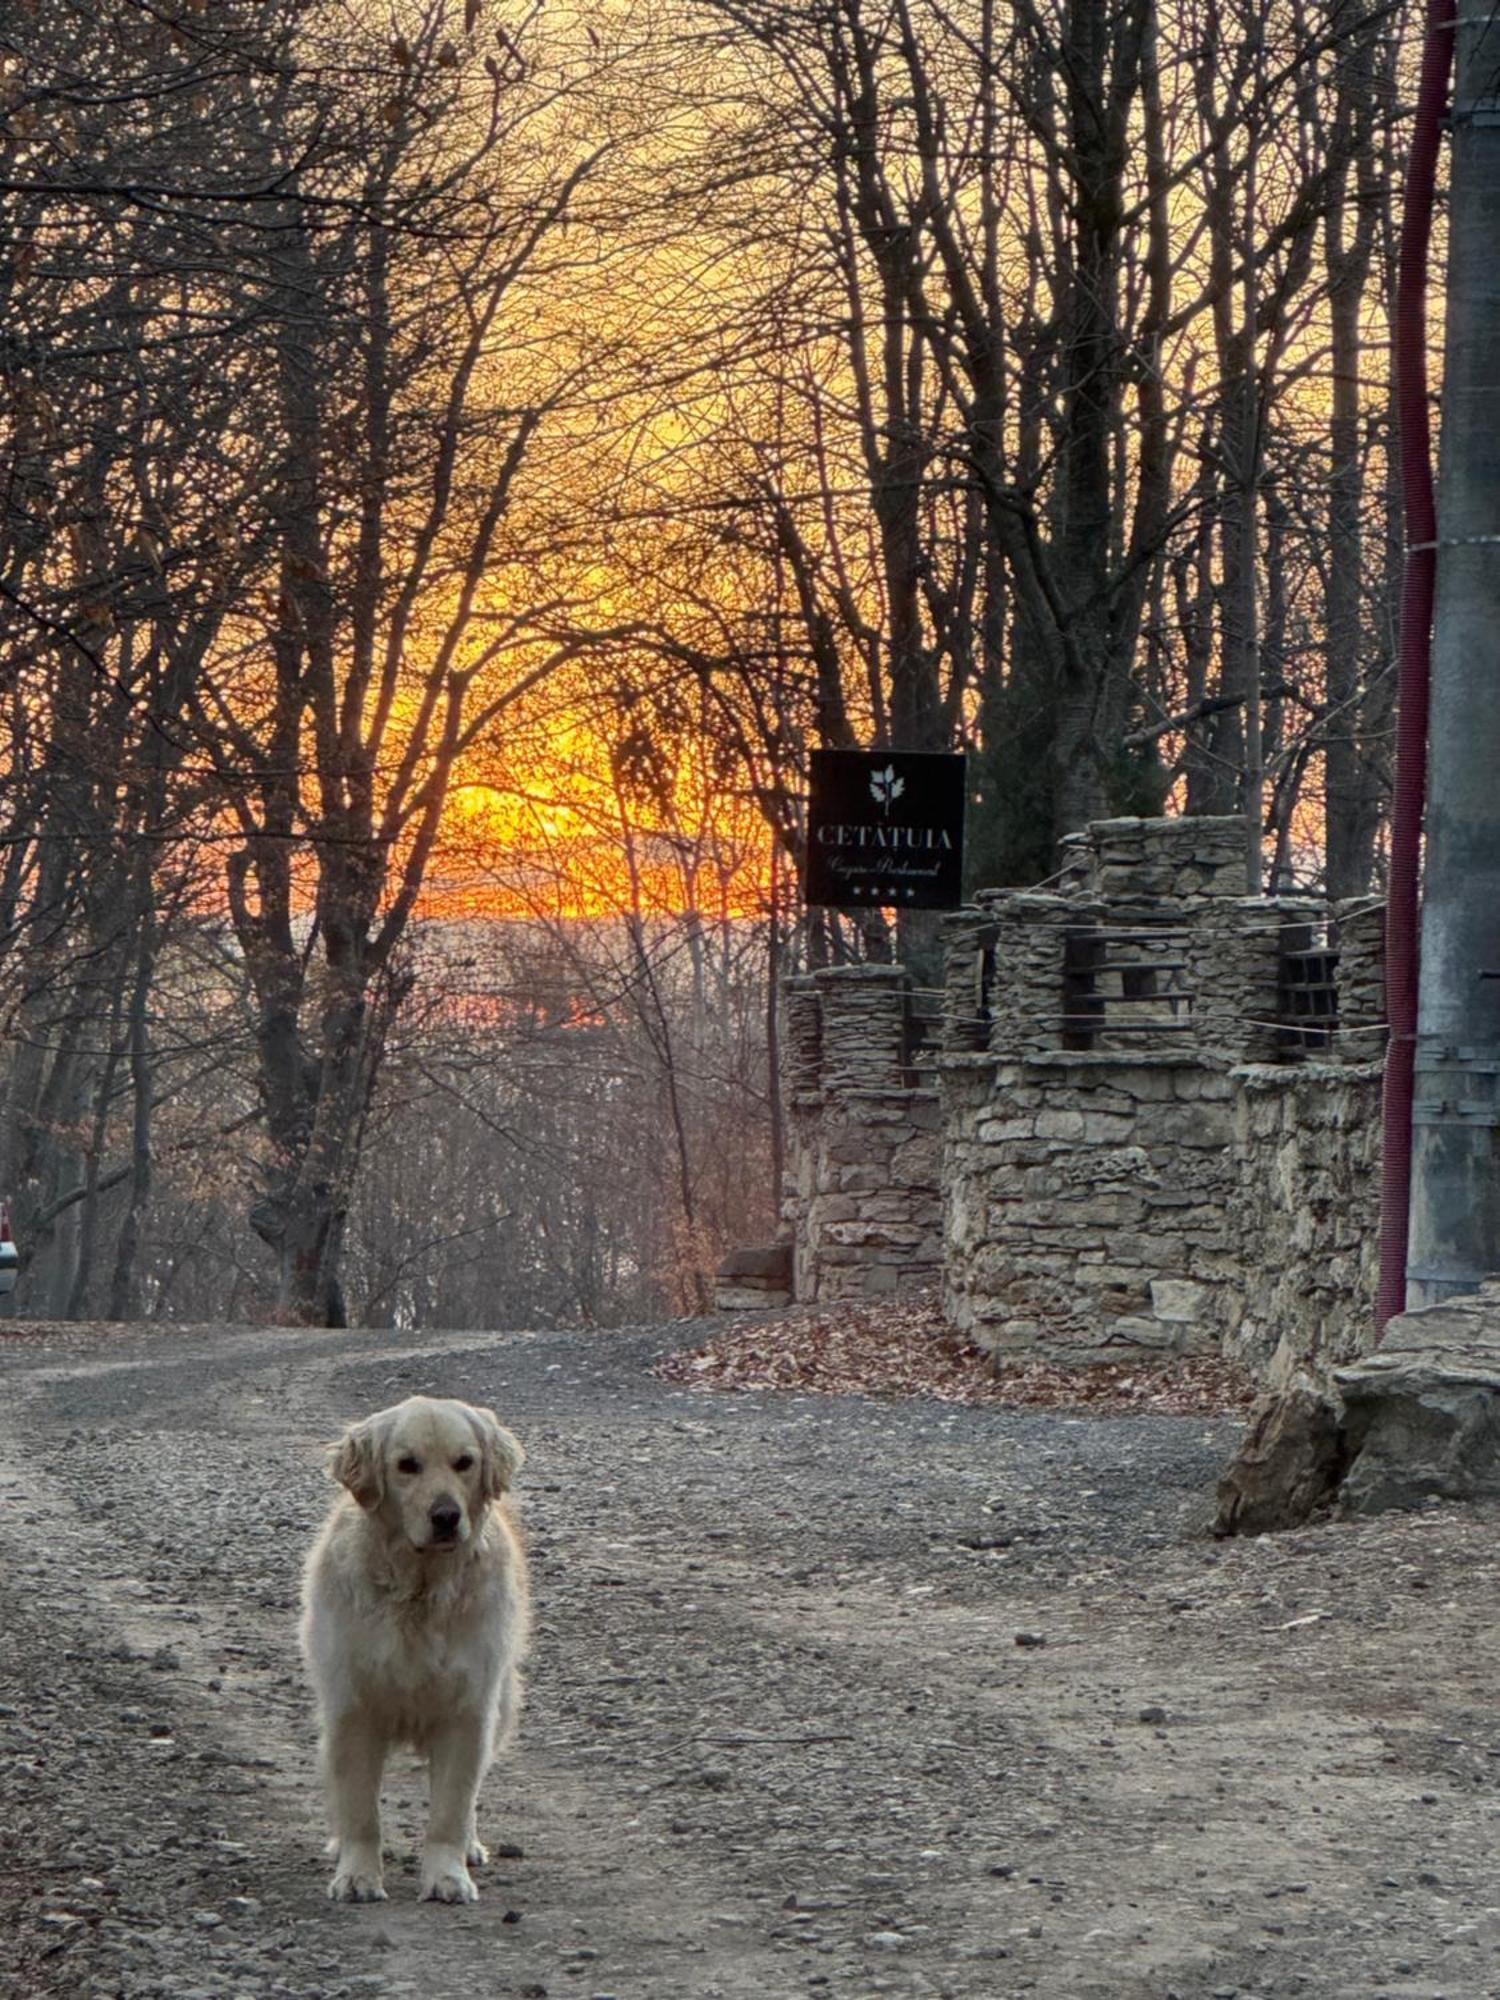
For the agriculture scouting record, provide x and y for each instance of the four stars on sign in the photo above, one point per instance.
(879, 895)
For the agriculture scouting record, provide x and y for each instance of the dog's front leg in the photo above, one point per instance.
(456, 1764)
(353, 1759)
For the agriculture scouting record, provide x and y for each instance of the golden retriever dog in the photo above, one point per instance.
(414, 1620)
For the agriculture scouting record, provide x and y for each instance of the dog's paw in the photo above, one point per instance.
(356, 1884)
(446, 1879)
(478, 1854)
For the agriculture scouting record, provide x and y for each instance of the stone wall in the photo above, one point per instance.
(1137, 1152)
(1088, 1201)
(1097, 1207)
(1307, 1157)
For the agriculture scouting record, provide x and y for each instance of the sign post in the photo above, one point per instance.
(885, 828)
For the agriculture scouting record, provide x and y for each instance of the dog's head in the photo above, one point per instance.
(430, 1467)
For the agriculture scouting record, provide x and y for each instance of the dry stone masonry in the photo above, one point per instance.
(864, 1204)
(1150, 1120)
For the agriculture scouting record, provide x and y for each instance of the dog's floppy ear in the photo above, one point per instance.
(355, 1463)
(501, 1453)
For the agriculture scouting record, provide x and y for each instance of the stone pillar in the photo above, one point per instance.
(863, 1206)
(802, 1102)
(1361, 980)
(1146, 863)
(864, 1026)
(968, 976)
(1026, 999)
(801, 1036)
(1234, 957)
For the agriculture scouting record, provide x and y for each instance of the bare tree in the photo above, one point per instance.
(420, 187)
(123, 201)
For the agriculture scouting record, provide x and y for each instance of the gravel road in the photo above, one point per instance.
(830, 1697)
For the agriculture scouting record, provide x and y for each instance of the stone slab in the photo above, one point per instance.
(1422, 1413)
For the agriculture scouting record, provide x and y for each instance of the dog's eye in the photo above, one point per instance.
(463, 1462)
(408, 1464)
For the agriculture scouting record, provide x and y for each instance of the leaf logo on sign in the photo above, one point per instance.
(886, 787)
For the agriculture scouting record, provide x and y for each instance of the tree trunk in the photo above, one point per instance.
(124, 1291)
(1353, 788)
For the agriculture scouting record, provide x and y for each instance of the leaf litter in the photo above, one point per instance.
(906, 1349)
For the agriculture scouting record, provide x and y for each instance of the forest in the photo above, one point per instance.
(459, 461)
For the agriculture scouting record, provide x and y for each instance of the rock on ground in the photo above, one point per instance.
(1288, 1464)
(1423, 1411)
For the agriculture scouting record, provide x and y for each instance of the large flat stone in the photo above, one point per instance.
(1422, 1413)
(771, 1263)
(747, 1298)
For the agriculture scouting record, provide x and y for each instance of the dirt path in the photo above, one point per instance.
(830, 1697)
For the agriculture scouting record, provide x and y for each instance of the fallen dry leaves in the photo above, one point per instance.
(906, 1349)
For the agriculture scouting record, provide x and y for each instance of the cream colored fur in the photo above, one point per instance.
(413, 1628)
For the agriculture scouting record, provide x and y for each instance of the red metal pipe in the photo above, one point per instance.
(1415, 664)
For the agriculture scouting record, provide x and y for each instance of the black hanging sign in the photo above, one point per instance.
(885, 827)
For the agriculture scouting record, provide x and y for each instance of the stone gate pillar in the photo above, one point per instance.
(863, 1202)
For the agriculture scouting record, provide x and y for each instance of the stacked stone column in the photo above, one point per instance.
(801, 1037)
(968, 980)
(863, 1197)
(1234, 969)
(1361, 979)
(1156, 865)
(1026, 996)
(864, 1026)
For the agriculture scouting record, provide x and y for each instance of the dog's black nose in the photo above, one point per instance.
(444, 1516)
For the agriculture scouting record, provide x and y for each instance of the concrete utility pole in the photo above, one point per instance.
(1455, 1194)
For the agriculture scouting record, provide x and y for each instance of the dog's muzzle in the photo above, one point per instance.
(443, 1517)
